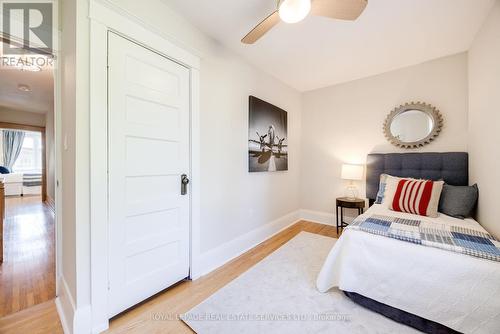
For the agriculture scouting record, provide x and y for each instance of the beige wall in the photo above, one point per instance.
(21, 117)
(484, 119)
(343, 123)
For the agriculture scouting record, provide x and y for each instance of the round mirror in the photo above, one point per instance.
(413, 125)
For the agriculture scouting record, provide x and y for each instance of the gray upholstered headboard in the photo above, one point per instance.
(452, 167)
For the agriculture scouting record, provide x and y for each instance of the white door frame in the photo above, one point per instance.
(104, 18)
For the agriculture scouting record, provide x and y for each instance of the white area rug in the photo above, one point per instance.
(278, 295)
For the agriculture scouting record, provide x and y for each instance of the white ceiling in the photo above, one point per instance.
(319, 52)
(41, 97)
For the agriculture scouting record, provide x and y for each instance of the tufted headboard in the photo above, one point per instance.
(452, 167)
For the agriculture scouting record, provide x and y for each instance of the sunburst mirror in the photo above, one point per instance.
(413, 125)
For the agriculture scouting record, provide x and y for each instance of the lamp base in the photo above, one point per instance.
(351, 192)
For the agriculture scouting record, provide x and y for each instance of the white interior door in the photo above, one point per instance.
(148, 138)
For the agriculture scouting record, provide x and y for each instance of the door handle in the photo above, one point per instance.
(184, 183)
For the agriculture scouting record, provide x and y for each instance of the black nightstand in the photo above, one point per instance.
(347, 203)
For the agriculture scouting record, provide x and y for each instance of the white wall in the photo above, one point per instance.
(484, 119)
(68, 93)
(50, 156)
(233, 201)
(21, 117)
(343, 123)
(337, 124)
(74, 287)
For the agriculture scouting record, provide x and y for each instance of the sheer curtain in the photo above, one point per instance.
(12, 145)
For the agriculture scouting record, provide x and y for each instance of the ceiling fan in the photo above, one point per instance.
(293, 11)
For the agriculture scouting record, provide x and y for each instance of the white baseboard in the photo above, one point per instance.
(62, 315)
(224, 253)
(65, 306)
(318, 217)
(50, 203)
(100, 328)
(323, 217)
(73, 321)
(83, 320)
(217, 257)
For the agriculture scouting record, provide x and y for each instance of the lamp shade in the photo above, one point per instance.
(352, 172)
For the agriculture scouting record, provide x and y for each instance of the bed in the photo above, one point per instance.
(21, 184)
(13, 183)
(431, 289)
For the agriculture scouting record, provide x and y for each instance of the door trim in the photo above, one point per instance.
(105, 18)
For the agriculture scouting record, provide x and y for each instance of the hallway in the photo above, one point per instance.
(27, 275)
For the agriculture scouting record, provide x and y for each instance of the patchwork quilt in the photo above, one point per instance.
(453, 238)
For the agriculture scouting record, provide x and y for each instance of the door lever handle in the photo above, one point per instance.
(184, 183)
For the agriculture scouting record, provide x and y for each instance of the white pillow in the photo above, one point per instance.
(433, 201)
(391, 184)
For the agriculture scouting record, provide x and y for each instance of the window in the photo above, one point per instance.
(30, 158)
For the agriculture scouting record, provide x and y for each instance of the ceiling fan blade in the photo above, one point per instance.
(338, 9)
(262, 28)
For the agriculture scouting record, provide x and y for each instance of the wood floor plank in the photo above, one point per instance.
(38, 319)
(27, 275)
(159, 314)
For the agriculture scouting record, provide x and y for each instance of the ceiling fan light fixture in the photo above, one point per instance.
(293, 11)
(24, 88)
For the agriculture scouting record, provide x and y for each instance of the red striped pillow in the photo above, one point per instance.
(420, 197)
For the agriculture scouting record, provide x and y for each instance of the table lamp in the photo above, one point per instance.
(352, 173)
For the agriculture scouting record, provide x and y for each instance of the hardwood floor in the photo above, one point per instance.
(178, 299)
(27, 275)
(38, 319)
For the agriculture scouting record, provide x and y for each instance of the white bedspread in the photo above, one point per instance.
(456, 290)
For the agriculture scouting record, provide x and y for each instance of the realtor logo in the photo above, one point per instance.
(27, 26)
